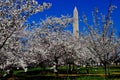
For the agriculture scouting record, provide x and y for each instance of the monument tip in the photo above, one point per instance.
(75, 8)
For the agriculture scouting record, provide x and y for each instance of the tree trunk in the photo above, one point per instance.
(73, 67)
(69, 70)
(106, 70)
(56, 72)
(56, 61)
(87, 68)
(10, 75)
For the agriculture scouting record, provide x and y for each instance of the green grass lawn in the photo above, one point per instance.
(95, 73)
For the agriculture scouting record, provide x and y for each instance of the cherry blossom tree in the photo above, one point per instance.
(43, 39)
(13, 14)
(102, 40)
(49, 41)
(83, 55)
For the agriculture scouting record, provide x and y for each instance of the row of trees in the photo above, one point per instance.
(49, 44)
(56, 46)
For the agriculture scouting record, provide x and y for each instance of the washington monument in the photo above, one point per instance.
(75, 23)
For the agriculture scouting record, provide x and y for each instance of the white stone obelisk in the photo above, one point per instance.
(75, 23)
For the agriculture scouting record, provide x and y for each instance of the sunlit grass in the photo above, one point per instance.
(95, 73)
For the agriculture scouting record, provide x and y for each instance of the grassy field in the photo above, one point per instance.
(96, 73)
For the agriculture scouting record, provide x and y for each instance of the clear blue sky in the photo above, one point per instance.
(64, 7)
